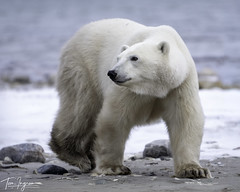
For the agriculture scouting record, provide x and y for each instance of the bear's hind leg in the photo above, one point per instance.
(79, 160)
(70, 150)
(73, 135)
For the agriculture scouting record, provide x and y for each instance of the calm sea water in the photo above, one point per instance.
(32, 32)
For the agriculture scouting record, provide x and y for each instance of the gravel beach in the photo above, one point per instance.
(148, 175)
(32, 35)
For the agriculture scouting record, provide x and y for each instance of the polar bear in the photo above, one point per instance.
(115, 74)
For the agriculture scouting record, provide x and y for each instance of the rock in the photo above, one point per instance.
(8, 166)
(100, 182)
(136, 156)
(51, 169)
(21, 79)
(208, 79)
(23, 153)
(74, 172)
(7, 160)
(237, 148)
(150, 174)
(50, 79)
(157, 149)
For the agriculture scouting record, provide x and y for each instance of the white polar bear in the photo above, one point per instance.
(152, 76)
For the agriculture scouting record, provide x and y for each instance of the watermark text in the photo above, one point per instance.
(18, 184)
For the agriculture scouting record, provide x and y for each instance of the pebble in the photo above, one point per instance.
(100, 181)
(51, 169)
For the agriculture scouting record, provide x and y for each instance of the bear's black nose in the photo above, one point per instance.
(112, 74)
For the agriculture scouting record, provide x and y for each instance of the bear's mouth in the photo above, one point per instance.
(116, 78)
(121, 81)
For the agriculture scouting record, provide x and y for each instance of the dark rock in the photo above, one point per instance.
(237, 148)
(23, 153)
(150, 174)
(209, 79)
(157, 149)
(21, 80)
(136, 156)
(75, 172)
(133, 158)
(51, 169)
(165, 158)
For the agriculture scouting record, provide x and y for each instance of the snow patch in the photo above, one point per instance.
(27, 116)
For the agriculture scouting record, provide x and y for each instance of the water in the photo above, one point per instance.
(33, 32)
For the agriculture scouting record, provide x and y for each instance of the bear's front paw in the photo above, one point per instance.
(114, 170)
(193, 171)
(84, 164)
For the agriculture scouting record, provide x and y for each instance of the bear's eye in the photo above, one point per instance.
(133, 58)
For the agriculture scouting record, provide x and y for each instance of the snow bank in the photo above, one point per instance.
(27, 116)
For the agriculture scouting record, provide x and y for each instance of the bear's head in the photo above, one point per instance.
(150, 68)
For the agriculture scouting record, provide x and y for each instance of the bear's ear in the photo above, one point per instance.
(124, 47)
(164, 47)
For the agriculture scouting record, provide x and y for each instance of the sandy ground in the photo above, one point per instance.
(147, 176)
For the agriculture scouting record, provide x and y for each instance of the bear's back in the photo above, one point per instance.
(116, 29)
(100, 41)
(95, 47)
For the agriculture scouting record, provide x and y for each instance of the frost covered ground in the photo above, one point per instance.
(27, 116)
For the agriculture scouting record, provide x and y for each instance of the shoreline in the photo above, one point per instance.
(147, 175)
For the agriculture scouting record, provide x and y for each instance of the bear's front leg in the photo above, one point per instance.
(185, 120)
(111, 135)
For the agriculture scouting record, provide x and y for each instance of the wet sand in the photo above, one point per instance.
(147, 176)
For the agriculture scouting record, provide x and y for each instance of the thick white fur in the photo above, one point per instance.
(163, 84)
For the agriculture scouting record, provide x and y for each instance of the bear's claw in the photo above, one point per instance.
(193, 171)
(114, 170)
(84, 165)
